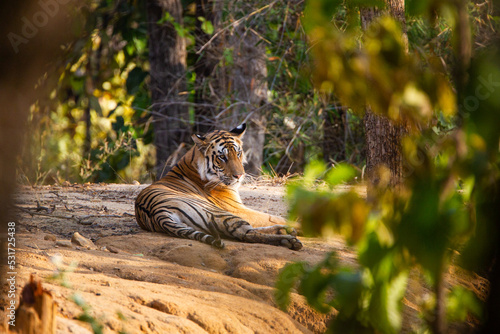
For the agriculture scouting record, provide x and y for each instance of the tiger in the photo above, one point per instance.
(198, 198)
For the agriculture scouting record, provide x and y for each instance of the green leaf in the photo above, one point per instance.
(424, 229)
(461, 302)
(166, 18)
(313, 171)
(287, 279)
(341, 173)
(386, 305)
(228, 56)
(77, 83)
(206, 26)
(348, 287)
(141, 45)
(395, 294)
(468, 186)
(314, 286)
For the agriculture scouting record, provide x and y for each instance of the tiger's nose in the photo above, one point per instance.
(237, 176)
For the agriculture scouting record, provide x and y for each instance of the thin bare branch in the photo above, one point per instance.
(235, 23)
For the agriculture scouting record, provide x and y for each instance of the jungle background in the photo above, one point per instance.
(97, 121)
(329, 90)
(241, 61)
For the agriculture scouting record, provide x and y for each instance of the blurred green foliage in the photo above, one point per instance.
(446, 204)
(94, 121)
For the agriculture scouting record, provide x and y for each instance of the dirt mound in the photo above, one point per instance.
(140, 282)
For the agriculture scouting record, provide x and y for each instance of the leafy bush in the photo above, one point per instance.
(445, 205)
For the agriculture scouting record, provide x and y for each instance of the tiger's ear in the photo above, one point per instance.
(200, 141)
(239, 131)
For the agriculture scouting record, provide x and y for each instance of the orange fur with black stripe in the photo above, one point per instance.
(198, 198)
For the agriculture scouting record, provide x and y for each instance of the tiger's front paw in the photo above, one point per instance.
(292, 243)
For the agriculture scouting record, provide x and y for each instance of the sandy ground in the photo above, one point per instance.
(140, 282)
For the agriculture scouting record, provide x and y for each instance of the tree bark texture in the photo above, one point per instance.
(167, 56)
(383, 149)
(383, 138)
(231, 87)
(248, 84)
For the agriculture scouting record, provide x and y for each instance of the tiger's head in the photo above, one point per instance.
(222, 156)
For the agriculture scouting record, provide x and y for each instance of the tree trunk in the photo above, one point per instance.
(248, 82)
(383, 138)
(383, 150)
(167, 56)
(236, 92)
(37, 310)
